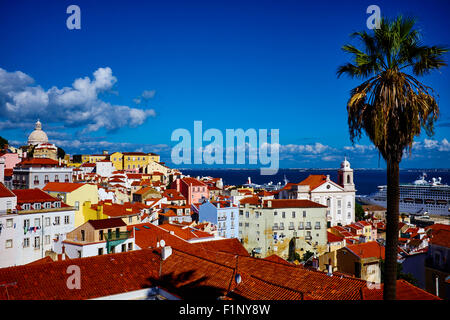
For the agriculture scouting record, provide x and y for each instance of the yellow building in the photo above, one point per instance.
(132, 160)
(116, 159)
(74, 194)
(129, 213)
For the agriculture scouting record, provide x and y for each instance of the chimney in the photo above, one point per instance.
(166, 252)
(329, 270)
(63, 254)
(269, 204)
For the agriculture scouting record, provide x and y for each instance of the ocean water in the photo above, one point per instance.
(366, 180)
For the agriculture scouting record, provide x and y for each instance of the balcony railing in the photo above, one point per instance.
(291, 228)
(308, 228)
(317, 227)
(275, 228)
(121, 235)
(308, 237)
(36, 182)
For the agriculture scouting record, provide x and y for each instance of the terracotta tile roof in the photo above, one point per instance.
(62, 186)
(405, 291)
(313, 181)
(254, 200)
(232, 246)
(107, 223)
(38, 161)
(193, 182)
(5, 192)
(32, 196)
(116, 210)
(291, 203)
(88, 165)
(334, 238)
(441, 238)
(275, 258)
(185, 233)
(189, 272)
(370, 249)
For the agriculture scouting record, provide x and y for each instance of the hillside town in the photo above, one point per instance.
(138, 229)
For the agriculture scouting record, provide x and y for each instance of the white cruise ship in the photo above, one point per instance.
(419, 197)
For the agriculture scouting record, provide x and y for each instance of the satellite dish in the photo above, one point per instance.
(162, 243)
(238, 278)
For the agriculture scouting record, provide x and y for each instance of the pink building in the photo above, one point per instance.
(11, 159)
(192, 189)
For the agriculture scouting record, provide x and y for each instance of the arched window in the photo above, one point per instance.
(348, 179)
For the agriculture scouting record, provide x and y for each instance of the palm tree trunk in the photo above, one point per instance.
(392, 217)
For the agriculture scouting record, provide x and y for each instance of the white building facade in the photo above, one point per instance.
(27, 234)
(338, 197)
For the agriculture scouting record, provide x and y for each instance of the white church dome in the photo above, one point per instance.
(37, 136)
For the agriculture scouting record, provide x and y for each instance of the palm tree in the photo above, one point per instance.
(392, 107)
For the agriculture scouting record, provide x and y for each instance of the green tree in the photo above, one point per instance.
(3, 142)
(391, 106)
(308, 254)
(359, 212)
(61, 153)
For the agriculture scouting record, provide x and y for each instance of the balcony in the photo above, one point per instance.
(113, 236)
(308, 238)
(291, 228)
(317, 227)
(308, 228)
(275, 228)
(36, 182)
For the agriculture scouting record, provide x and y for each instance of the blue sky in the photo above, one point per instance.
(231, 64)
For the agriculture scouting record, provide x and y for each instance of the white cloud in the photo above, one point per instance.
(76, 106)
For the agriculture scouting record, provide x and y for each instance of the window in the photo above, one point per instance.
(57, 205)
(47, 221)
(281, 225)
(8, 244)
(349, 214)
(100, 234)
(349, 204)
(291, 225)
(283, 214)
(37, 242)
(66, 219)
(46, 180)
(47, 239)
(26, 224)
(246, 214)
(36, 180)
(293, 214)
(100, 251)
(9, 223)
(26, 206)
(339, 202)
(308, 225)
(56, 223)
(77, 205)
(83, 235)
(275, 213)
(56, 178)
(130, 219)
(304, 213)
(26, 242)
(37, 206)
(328, 202)
(339, 212)
(300, 226)
(317, 226)
(124, 247)
(241, 212)
(37, 222)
